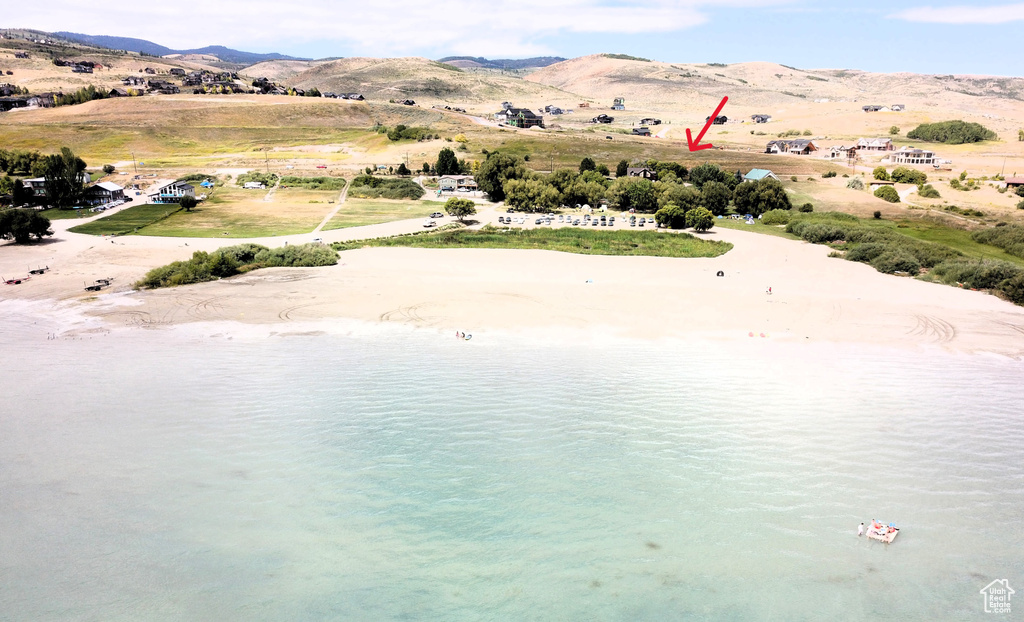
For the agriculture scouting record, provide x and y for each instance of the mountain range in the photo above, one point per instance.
(143, 46)
(466, 62)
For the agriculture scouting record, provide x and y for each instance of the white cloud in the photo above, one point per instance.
(390, 28)
(999, 14)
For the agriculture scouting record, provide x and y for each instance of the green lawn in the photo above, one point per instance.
(67, 214)
(757, 227)
(129, 220)
(582, 241)
(359, 212)
(954, 238)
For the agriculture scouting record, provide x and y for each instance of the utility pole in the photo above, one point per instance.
(266, 154)
(136, 166)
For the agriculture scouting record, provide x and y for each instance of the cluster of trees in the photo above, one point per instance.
(952, 132)
(21, 162)
(81, 96)
(64, 176)
(22, 225)
(505, 177)
(404, 132)
(900, 174)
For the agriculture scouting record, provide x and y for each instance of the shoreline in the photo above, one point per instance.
(556, 297)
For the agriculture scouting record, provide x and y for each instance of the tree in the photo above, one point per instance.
(64, 178)
(678, 194)
(633, 192)
(496, 170)
(447, 163)
(622, 169)
(188, 202)
(460, 208)
(587, 164)
(403, 170)
(531, 195)
(758, 197)
(22, 225)
(700, 219)
(894, 130)
(602, 169)
(426, 167)
(1020, 135)
(108, 169)
(880, 173)
(716, 196)
(888, 193)
(703, 173)
(906, 175)
(671, 216)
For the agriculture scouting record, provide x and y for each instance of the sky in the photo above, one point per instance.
(933, 37)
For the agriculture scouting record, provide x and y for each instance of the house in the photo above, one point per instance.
(842, 152)
(776, 146)
(253, 185)
(875, 184)
(898, 107)
(162, 86)
(119, 93)
(21, 55)
(719, 120)
(406, 102)
(1014, 182)
(10, 103)
(133, 81)
(875, 108)
(555, 110)
(618, 103)
(911, 155)
(757, 174)
(172, 192)
(602, 118)
(356, 96)
(177, 71)
(523, 118)
(81, 69)
(650, 121)
(642, 172)
(642, 131)
(801, 146)
(104, 192)
(875, 144)
(997, 596)
(37, 185)
(507, 105)
(193, 79)
(760, 118)
(150, 71)
(457, 183)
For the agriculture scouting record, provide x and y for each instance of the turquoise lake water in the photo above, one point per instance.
(157, 475)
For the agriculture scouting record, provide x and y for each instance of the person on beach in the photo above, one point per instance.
(860, 530)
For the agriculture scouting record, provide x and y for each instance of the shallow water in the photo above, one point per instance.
(159, 475)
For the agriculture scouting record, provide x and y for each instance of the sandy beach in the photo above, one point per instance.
(552, 295)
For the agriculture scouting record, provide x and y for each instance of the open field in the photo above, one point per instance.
(360, 212)
(128, 221)
(67, 214)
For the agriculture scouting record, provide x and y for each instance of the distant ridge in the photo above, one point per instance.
(143, 46)
(501, 63)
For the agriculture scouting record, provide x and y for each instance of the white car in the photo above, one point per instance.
(429, 223)
(437, 215)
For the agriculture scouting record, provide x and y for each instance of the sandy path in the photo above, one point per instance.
(340, 202)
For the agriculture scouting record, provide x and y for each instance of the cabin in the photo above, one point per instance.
(133, 81)
(119, 93)
(104, 192)
(761, 118)
(523, 118)
(912, 155)
(177, 71)
(642, 172)
(172, 192)
(757, 174)
(719, 120)
(150, 71)
(1014, 182)
(457, 183)
(641, 131)
(650, 121)
(875, 144)
(619, 103)
(406, 102)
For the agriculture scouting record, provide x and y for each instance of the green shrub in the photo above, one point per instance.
(371, 187)
(776, 217)
(792, 178)
(888, 193)
(877, 215)
(313, 183)
(855, 183)
(904, 175)
(828, 174)
(267, 179)
(928, 191)
(233, 260)
(866, 252)
(986, 274)
(1020, 204)
(1009, 238)
(896, 260)
(880, 173)
(806, 208)
(820, 232)
(1013, 289)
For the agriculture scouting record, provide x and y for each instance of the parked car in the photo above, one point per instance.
(429, 223)
(437, 215)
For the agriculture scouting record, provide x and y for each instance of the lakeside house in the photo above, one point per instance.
(875, 144)
(103, 192)
(799, 146)
(912, 155)
(172, 192)
(37, 185)
(642, 171)
(757, 174)
(457, 183)
(642, 131)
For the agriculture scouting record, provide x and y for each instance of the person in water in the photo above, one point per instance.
(860, 530)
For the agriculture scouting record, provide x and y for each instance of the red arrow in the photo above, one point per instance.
(695, 144)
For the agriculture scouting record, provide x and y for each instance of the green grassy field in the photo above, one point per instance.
(958, 239)
(360, 212)
(581, 241)
(128, 220)
(757, 227)
(67, 214)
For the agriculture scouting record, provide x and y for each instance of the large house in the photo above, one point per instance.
(177, 71)
(800, 146)
(875, 144)
(37, 185)
(457, 183)
(162, 86)
(912, 155)
(133, 81)
(757, 174)
(837, 152)
(523, 118)
(172, 192)
(104, 192)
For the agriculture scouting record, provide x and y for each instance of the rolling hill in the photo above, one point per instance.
(471, 62)
(143, 46)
